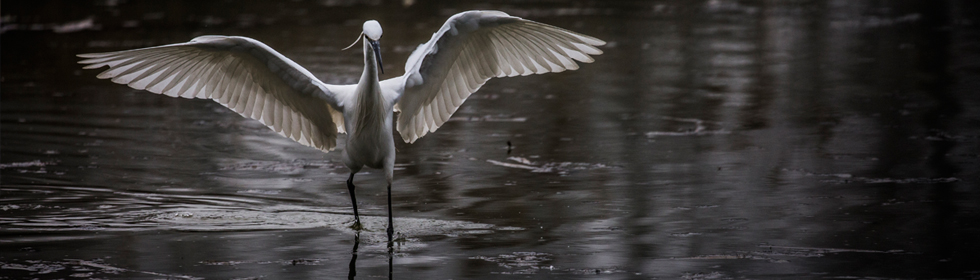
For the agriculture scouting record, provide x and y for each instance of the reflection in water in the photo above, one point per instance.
(353, 257)
(352, 267)
(715, 139)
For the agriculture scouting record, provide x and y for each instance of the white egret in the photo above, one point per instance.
(254, 80)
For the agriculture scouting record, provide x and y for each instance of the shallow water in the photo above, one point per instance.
(713, 139)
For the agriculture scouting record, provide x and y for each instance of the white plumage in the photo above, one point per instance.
(254, 80)
(468, 50)
(242, 74)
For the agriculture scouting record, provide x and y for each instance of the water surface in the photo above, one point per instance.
(713, 139)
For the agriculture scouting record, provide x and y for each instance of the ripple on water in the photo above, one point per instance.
(782, 254)
(284, 167)
(534, 262)
(296, 217)
(520, 262)
(125, 211)
(549, 167)
(40, 208)
(78, 269)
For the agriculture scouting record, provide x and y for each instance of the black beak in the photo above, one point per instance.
(377, 53)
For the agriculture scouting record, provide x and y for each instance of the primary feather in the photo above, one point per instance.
(240, 73)
(469, 49)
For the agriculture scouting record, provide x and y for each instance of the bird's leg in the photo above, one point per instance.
(389, 167)
(353, 202)
(391, 227)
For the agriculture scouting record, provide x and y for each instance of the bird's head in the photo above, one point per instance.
(371, 33)
(372, 29)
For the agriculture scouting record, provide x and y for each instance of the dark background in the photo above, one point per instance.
(712, 139)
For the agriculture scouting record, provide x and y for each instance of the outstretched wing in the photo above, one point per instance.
(242, 74)
(469, 49)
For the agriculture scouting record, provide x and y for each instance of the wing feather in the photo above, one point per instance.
(469, 49)
(155, 71)
(240, 73)
(546, 59)
(230, 96)
(168, 79)
(518, 50)
(491, 55)
(201, 90)
(242, 99)
(294, 125)
(123, 67)
(187, 80)
(249, 110)
(222, 91)
(199, 78)
(513, 61)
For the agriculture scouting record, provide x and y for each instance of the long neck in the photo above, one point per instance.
(370, 103)
(370, 64)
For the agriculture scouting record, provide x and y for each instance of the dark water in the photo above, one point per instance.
(712, 140)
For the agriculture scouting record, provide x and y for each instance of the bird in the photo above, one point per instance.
(252, 79)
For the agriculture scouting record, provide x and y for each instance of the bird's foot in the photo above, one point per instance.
(399, 237)
(395, 238)
(357, 226)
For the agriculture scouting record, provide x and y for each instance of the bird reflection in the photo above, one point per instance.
(353, 257)
(352, 267)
